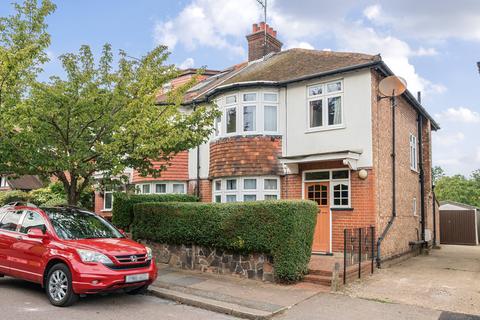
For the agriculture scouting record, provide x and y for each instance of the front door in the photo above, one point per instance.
(320, 193)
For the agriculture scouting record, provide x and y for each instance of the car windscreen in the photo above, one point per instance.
(71, 224)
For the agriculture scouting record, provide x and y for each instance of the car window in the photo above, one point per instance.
(10, 220)
(33, 220)
(71, 224)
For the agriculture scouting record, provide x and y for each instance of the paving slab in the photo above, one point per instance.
(230, 295)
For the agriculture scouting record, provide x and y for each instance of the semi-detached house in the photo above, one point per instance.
(308, 124)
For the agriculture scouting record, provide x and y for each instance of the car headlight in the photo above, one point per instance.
(149, 253)
(93, 256)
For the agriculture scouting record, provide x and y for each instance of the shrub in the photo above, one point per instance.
(12, 196)
(122, 211)
(283, 229)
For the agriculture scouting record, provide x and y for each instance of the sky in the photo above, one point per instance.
(433, 44)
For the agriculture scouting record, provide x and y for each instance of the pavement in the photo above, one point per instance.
(21, 300)
(446, 279)
(230, 295)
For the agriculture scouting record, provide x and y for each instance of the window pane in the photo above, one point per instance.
(218, 185)
(10, 220)
(231, 99)
(270, 118)
(160, 188)
(218, 198)
(334, 111)
(334, 86)
(343, 174)
(249, 97)
(231, 198)
(178, 188)
(270, 97)
(271, 197)
(249, 197)
(108, 200)
(33, 220)
(146, 188)
(315, 91)
(231, 120)
(250, 184)
(249, 118)
(270, 184)
(316, 108)
(322, 175)
(231, 184)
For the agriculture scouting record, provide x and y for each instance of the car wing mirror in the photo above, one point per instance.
(37, 233)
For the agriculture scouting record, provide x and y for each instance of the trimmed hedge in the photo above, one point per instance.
(13, 196)
(122, 211)
(281, 228)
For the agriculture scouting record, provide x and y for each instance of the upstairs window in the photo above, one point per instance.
(249, 118)
(231, 119)
(325, 105)
(413, 153)
(3, 182)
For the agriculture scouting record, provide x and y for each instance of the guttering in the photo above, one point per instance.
(198, 161)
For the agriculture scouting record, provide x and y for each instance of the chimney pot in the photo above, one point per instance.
(254, 28)
(262, 25)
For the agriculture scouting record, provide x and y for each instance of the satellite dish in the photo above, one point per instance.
(392, 86)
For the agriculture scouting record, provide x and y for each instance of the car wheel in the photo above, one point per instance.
(59, 286)
(141, 290)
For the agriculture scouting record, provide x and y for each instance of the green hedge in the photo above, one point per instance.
(122, 211)
(13, 196)
(283, 229)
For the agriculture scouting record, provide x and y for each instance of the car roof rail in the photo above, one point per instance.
(20, 203)
(68, 206)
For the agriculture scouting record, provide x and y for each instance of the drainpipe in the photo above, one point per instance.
(422, 174)
(394, 206)
(434, 198)
(198, 160)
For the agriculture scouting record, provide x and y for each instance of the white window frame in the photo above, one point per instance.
(168, 188)
(414, 204)
(332, 182)
(3, 182)
(413, 142)
(324, 96)
(259, 104)
(240, 191)
(105, 192)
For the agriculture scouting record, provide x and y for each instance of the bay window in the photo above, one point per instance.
(161, 187)
(270, 118)
(249, 118)
(231, 119)
(246, 189)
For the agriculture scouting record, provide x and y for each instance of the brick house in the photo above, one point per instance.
(23, 183)
(308, 124)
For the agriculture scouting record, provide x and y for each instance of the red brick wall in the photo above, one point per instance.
(177, 170)
(406, 226)
(244, 156)
(205, 189)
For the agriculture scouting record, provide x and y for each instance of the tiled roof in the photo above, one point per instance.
(26, 182)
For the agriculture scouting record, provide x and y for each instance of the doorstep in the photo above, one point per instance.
(230, 295)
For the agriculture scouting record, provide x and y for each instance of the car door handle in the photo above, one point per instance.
(19, 237)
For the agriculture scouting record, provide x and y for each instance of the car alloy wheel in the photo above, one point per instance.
(58, 285)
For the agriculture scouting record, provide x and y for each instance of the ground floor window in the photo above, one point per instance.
(161, 187)
(339, 180)
(3, 182)
(243, 189)
(108, 198)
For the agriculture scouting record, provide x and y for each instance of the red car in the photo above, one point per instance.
(71, 252)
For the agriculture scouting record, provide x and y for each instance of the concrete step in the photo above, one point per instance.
(317, 272)
(214, 305)
(317, 279)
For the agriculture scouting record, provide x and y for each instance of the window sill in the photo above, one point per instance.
(328, 128)
(106, 210)
(414, 170)
(342, 209)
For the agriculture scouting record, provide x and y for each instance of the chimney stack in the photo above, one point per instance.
(256, 41)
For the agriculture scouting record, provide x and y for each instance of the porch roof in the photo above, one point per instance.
(349, 158)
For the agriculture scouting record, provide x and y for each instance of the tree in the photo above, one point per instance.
(23, 40)
(437, 173)
(458, 188)
(101, 119)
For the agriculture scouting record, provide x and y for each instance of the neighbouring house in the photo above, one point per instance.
(23, 183)
(459, 223)
(309, 124)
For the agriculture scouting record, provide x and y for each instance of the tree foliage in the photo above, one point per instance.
(459, 188)
(101, 118)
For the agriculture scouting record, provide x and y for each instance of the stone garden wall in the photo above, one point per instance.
(193, 257)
